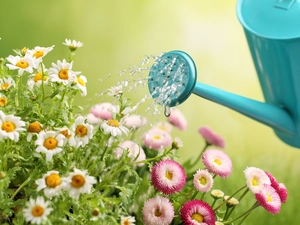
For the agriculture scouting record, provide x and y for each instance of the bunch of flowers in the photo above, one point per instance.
(111, 165)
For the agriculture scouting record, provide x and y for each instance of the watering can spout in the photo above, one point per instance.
(273, 116)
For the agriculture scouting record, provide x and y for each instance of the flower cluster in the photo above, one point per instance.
(110, 165)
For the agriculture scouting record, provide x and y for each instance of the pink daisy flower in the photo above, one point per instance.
(255, 179)
(268, 198)
(158, 210)
(282, 191)
(196, 212)
(104, 110)
(134, 121)
(273, 180)
(134, 151)
(168, 176)
(217, 162)
(157, 139)
(203, 181)
(177, 119)
(211, 137)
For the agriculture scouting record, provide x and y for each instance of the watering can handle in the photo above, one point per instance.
(268, 114)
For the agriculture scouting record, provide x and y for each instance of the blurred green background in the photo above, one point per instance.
(118, 34)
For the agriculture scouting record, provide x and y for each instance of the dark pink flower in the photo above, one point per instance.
(211, 137)
(282, 191)
(273, 180)
(217, 162)
(269, 199)
(158, 210)
(177, 119)
(197, 212)
(168, 176)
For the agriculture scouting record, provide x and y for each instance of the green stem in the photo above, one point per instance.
(201, 153)
(21, 186)
(166, 152)
(255, 205)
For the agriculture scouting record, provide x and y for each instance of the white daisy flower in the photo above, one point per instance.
(114, 127)
(38, 53)
(79, 182)
(6, 83)
(10, 126)
(25, 63)
(50, 143)
(127, 220)
(52, 184)
(81, 84)
(69, 136)
(37, 210)
(83, 131)
(3, 100)
(72, 44)
(36, 79)
(62, 73)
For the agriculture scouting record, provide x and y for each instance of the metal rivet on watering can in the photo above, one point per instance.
(273, 35)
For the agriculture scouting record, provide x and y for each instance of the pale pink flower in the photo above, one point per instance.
(211, 137)
(104, 110)
(255, 179)
(158, 210)
(134, 121)
(177, 119)
(91, 119)
(203, 180)
(197, 212)
(163, 125)
(268, 198)
(157, 139)
(135, 151)
(168, 176)
(217, 162)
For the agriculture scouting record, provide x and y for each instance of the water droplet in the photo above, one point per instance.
(167, 111)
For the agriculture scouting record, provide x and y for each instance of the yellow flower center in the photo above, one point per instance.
(197, 217)
(37, 211)
(5, 86)
(78, 181)
(38, 54)
(113, 123)
(34, 127)
(156, 137)
(269, 198)
(126, 222)
(218, 161)
(95, 212)
(8, 126)
(202, 180)
(50, 143)
(63, 74)
(65, 133)
(53, 180)
(80, 81)
(3, 101)
(157, 212)
(254, 181)
(81, 130)
(39, 76)
(169, 175)
(22, 64)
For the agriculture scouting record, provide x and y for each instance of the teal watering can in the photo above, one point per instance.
(272, 29)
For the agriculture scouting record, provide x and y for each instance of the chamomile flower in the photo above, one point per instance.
(37, 79)
(158, 210)
(39, 52)
(36, 211)
(127, 220)
(203, 180)
(83, 131)
(62, 73)
(79, 182)
(6, 83)
(217, 162)
(22, 64)
(114, 127)
(3, 100)
(256, 178)
(33, 128)
(69, 136)
(50, 143)
(72, 44)
(51, 183)
(196, 212)
(168, 176)
(10, 126)
(81, 84)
